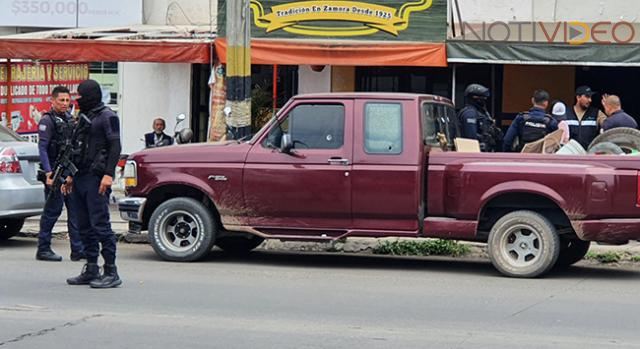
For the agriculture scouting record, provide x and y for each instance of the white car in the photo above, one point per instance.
(21, 195)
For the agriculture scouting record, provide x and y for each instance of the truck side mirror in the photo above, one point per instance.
(286, 144)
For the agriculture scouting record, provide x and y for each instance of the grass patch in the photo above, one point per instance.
(635, 259)
(422, 248)
(605, 258)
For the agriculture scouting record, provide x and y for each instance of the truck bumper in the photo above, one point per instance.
(131, 209)
(608, 230)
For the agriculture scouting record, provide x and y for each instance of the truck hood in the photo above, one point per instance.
(224, 152)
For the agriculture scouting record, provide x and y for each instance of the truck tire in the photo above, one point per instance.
(182, 230)
(625, 137)
(523, 244)
(238, 245)
(606, 148)
(10, 227)
(571, 252)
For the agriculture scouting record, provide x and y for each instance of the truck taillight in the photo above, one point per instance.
(9, 162)
(130, 174)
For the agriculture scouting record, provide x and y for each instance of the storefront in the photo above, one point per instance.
(346, 45)
(149, 71)
(556, 57)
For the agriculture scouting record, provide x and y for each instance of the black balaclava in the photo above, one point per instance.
(91, 95)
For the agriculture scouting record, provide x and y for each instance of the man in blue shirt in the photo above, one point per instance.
(616, 117)
(53, 129)
(532, 125)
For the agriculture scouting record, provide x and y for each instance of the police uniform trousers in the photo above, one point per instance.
(93, 218)
(51, 213)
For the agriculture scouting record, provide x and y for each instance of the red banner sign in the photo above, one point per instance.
(25, 90)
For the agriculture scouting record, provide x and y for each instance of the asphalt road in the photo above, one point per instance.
(277, 300)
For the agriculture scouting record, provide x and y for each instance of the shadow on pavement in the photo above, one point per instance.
(364, 261)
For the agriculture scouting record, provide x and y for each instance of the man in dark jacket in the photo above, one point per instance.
(98, 150)
(157, 138)
(532, 125)
(616, 116)
(475, 120)
(54, 129)
(584, 119)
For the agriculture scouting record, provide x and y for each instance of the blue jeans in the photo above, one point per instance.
(52, 211)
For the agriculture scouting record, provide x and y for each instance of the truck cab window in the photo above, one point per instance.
(383, 128)
(312, 126)
(430, 126)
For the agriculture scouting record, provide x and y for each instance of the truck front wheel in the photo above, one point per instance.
(523, 244)
(182, 229)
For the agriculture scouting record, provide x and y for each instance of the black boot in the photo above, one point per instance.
(48, 255)
(90, 272)
(108, 279)
(76, 256)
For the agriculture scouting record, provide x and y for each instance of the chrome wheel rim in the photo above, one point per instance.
(179, 231)
(522, 245)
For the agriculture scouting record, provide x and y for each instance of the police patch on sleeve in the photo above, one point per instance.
(471, 121)
(42, 127)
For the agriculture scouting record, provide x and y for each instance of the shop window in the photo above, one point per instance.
(106, 74)
(383, 128)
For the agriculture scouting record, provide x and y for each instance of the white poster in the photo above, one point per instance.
(70, 13)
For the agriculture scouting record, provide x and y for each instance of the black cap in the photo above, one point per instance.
(584, 90)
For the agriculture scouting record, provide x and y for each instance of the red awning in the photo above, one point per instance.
(287, 52)
(86, 50)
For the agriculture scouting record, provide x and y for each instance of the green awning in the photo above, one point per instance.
(542, 53)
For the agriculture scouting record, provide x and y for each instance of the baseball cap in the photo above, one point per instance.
(585, 90)
(559, 109)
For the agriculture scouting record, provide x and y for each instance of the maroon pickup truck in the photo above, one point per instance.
(333, 166)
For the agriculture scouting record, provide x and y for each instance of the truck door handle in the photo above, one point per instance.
(338, 161)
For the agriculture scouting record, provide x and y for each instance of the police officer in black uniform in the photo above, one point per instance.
(532, 125)
(98, 150)
(54, 129)
(583, 118)
(475, 120)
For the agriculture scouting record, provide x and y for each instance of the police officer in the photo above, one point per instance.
(475, 121)
(54, 129)
(584, 119)
(98, 149)
(532, 125)
(616, 116)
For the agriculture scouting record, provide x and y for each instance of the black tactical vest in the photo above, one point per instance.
(532, 130)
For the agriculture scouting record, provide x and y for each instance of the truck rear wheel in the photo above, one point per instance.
(238, 245)
(523, 244)
(182, 229)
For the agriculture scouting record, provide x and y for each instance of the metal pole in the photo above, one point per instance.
(8, 115)
(453, 83)
(275, 88)
(238, 31)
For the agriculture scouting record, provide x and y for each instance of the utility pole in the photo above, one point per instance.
(238, 31)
